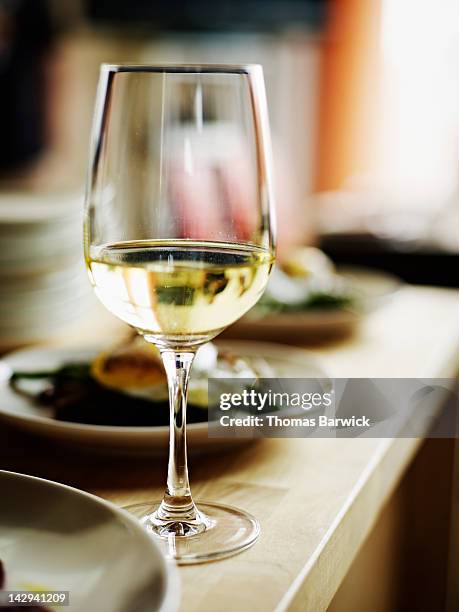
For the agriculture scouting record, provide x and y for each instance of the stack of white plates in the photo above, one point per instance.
(43, 285)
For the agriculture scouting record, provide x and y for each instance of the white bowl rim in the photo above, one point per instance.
(169, 569)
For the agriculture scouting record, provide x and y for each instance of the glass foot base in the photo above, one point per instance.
(223, 531)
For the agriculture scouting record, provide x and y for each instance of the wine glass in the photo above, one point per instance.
(179, 244)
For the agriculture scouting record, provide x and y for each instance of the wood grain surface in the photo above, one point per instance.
(316, 499)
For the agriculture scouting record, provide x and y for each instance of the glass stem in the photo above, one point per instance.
(177, 505)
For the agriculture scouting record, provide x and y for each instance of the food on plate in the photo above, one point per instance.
(308, 262)
(127, 386)
(306, 280)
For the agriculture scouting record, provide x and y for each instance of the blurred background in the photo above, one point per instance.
(364, 107)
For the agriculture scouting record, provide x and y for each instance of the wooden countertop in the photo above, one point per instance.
(316, 499)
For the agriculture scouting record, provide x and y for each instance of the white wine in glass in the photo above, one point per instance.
(179, 244)
(179, 293)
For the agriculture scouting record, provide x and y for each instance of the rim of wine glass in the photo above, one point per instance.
(184, 68)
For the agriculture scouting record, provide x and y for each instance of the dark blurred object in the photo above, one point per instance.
(201, 15)
(420, 264)
(26, 35)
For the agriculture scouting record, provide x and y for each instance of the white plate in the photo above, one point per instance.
(54, 537)
(63, 277)
(21, 210)
(373, 287)
(287, 362)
